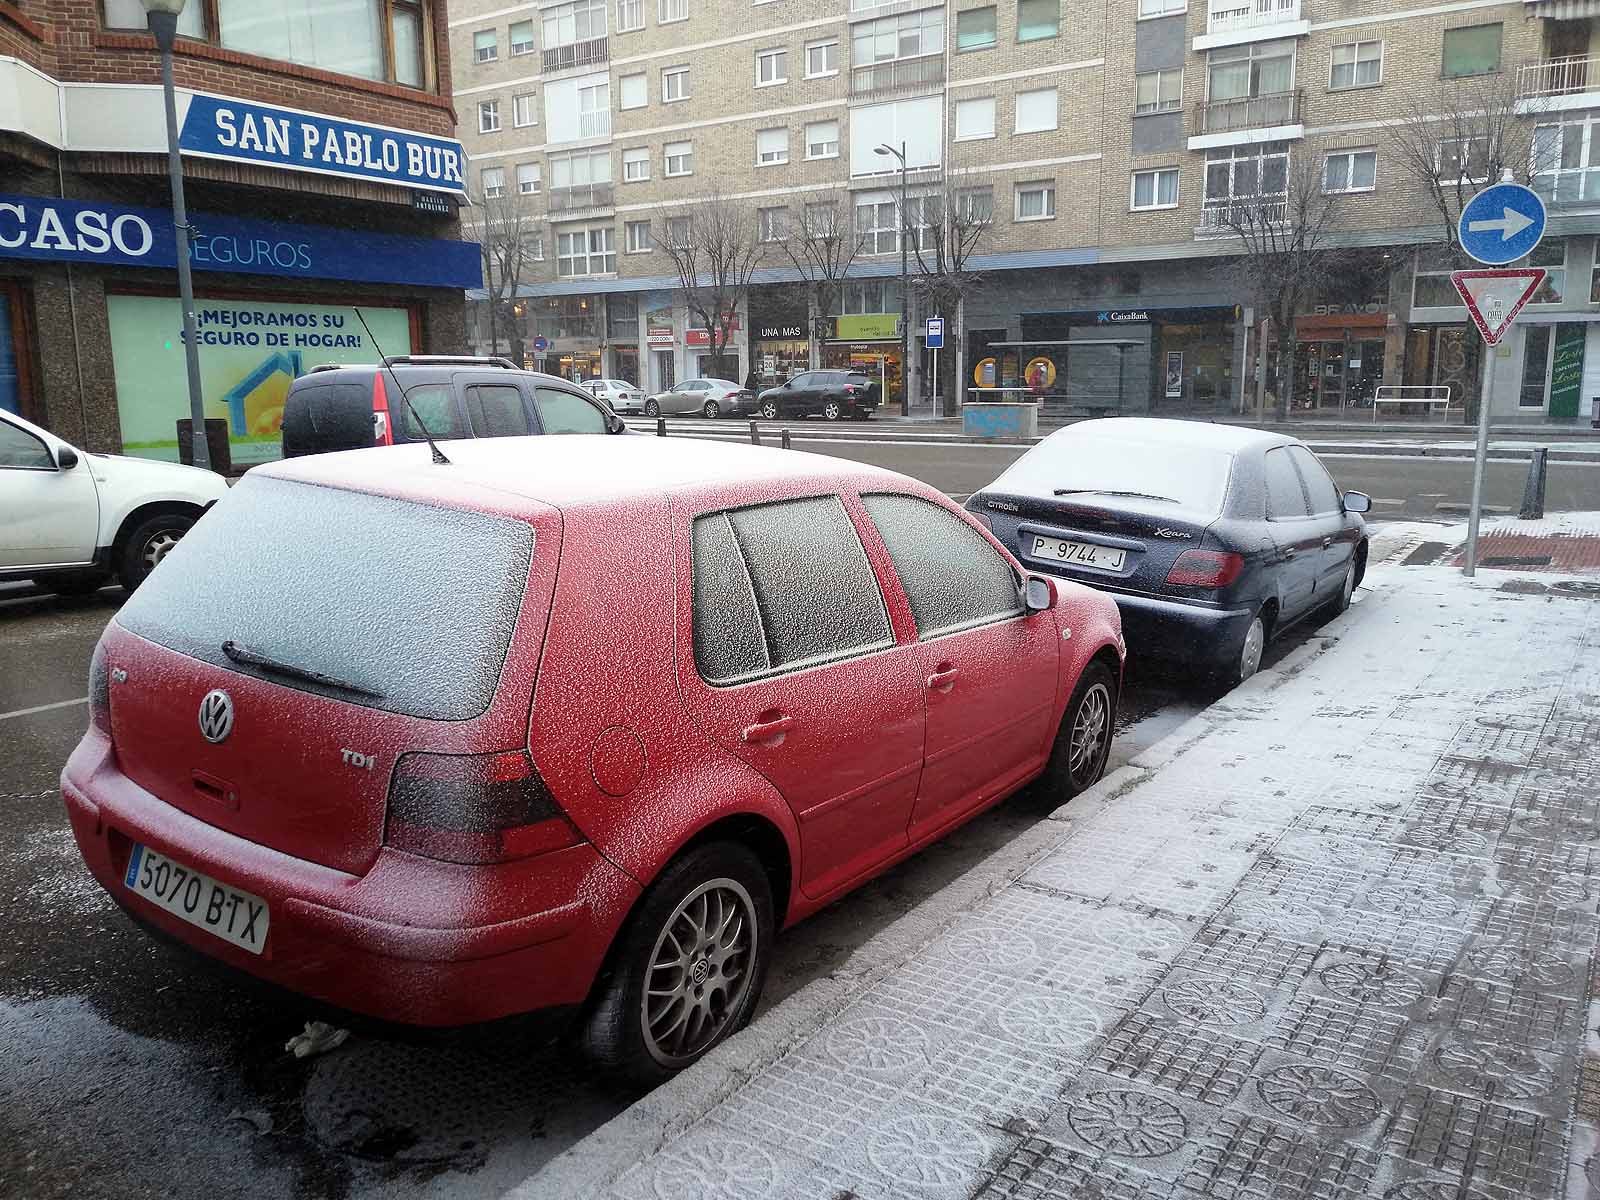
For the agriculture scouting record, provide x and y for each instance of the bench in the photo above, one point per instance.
(1430, 395)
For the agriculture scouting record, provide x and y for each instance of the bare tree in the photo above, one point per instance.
(1288, 250)
(507, 232)
(954, 223)
(822, 247)
(714, 248)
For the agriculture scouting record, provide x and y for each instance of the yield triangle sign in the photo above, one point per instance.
(1494, 298)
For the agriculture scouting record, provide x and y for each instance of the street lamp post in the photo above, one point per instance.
(905, 325)
(162, 16)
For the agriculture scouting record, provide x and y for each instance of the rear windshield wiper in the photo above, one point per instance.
(254, 658)
(1105, 492)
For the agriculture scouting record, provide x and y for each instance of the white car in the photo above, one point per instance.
(622, 396)
(74, 519)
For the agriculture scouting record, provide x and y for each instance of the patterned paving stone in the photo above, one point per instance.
(1486, 1145)
(1360, 1037)
(1523, 1013)
(934, 990)
(1246, 955)
(1430, 947)
(1099, 974)
(1042, 1170)
(1213, 1001)
(806, 1106)
(1374, 981)
(1467, 778)
(1130, 1123)
(1201, 1064)
(1247, 1158)
(1006, 1085)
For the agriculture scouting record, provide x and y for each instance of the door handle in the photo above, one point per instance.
(769, 730)
(1326, 542)
(1289, 552)
(943, 677)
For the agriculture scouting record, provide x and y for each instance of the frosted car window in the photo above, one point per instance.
(1324, 496)
(814, 587)
(563, 412)
(496, 410)
(952, 576)
(1286, 500)
(435, 404)
(1191, 477)
(409, 601)
(728, 642)
(19, 448)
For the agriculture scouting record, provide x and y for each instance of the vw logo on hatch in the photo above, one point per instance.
(216, 716)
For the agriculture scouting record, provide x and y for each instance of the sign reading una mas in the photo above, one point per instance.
(239, 131)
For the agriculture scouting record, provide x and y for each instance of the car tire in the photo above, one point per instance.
(832, 410)
(73, 583)
(1247, 656)
(769, 411)
(652, 409)
(618, 1034)
(712, 410)
(1083, 741)
(148, 543)
(1340, 603)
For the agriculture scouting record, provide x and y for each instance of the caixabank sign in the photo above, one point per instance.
(43, 228)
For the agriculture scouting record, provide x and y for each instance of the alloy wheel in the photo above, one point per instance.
(1090, 729)
(1255, 641)
(711, 410)
(157, 548)
(652, 409)
(831, 410)
(700, 971)
(769, 410)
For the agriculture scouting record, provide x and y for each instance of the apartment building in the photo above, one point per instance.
(322, 175)
(1107, 139)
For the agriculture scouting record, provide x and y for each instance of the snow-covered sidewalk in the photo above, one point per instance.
(1333, 939)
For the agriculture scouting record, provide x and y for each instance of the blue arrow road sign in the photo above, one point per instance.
(541, 344)
(933, 335)
(1501, 224)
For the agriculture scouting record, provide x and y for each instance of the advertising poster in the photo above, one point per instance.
(1566, 370)
(1174, 374)
(250, 351)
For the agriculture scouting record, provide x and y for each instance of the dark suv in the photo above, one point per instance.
(349, 408)
(834, 394)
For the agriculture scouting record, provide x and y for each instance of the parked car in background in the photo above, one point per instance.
(826, 666)
(619, 394)
(446, 396)
(70, 521)
(1211, 539)
(708, 397)
(834, 394)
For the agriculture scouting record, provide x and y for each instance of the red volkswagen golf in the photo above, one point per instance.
(565, 723)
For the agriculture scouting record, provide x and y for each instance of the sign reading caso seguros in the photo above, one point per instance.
(239, 131)
(39, 227)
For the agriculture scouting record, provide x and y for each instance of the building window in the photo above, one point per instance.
(525, 110)
(633, 91)
(1350, 171)
(580, 169)
(822, 58)
(586, 251)
(521, 38)
(975, 206)
(1551, 254)
(1038, 19)
(822, 221)
(772, 147)
(1430, 280)
(772, 224)
(975, 118)
(569, 24)
(371, 39)
(909, 35)
(1566, 159)
(674, 84)
(630, 15)
(594, 110)
(1158, 91)
(1036, 111)
(1155, 189)
(878, 225)
(975, 28)
(1257, 69)
(1471, 50)
(679, 158)
(489, 116)
(1161, 8)
(869, 297)
(678, 232)
(1355, 65)
(772, 66)
(637, 235)
(822, 139)
(533, 243)
(494, 182)
(130, 14)
(1248, 178)
(636, 165)
(668, 11)
(485, 46)
(527, 179)
(1463, 160)
(1036, 201)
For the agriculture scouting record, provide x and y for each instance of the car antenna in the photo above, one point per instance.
(438, 454)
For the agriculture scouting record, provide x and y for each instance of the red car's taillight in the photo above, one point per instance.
(474, 808)
(100, 692)
(1205, 568)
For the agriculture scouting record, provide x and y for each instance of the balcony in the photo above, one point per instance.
(589, 53)
(1225, 217)
(1275, 116)
(901, 75)
(583, 196)
(1230, 22)
(594, 124)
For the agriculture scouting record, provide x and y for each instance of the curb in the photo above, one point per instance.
(594, 1164)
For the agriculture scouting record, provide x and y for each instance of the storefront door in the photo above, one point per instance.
(13, 382)
(665, 375)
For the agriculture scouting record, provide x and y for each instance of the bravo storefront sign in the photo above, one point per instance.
(238, 131)
(39, 227)
(250, 352)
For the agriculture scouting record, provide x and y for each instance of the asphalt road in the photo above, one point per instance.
(130, 1070)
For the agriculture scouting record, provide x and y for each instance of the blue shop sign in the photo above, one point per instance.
(238, 131)
(42, 228)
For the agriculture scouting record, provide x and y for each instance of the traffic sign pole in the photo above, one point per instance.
(1480, 455)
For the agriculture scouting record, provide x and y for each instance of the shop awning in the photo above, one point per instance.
(1564, 10)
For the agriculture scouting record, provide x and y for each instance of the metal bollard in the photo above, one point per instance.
(786, 439)
(661, 427)
(755, 434)
(1533, 490)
